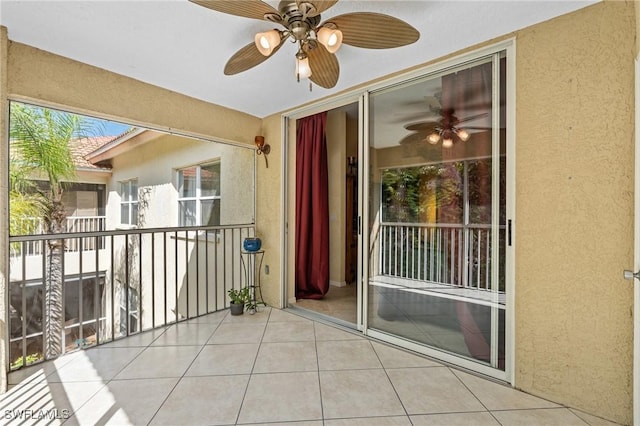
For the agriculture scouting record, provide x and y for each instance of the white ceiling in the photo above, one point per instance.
(183, 47)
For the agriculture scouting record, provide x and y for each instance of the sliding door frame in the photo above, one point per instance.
(361, 97)
(289, 120)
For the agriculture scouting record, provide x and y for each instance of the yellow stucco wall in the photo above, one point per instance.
(637, 4)
(4, 201)
(574, 211)
(45, 77)
(268, 209)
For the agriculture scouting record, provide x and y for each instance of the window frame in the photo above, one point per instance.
(198, 198)
(129, 202)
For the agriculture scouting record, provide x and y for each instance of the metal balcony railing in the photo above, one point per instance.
(454, 255)
(72, 224)
(119, 283)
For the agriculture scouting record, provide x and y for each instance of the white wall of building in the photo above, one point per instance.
(155, 166)
(200, 264)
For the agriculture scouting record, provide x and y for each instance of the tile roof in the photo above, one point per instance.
(80, 148)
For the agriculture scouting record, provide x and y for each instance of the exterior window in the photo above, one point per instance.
(132, 321)
(129, 202)
(199, 195)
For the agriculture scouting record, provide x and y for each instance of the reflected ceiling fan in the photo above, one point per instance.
(446, 129)
(316, 42)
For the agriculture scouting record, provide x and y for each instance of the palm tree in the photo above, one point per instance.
(40, 149)
(25, 205)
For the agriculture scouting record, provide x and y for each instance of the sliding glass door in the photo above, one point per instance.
(437, 225)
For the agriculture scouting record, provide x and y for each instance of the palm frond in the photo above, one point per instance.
(26, 211)
(40, 137)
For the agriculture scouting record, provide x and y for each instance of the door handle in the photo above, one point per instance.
(630, 275)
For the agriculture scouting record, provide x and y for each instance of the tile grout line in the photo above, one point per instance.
(559, 406)
(164, 401)
(390, 382)
(246, 388)
(106, 383)
(315, 346)
(451, 370)
(42, 363)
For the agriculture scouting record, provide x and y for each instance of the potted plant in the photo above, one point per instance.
(238, 299)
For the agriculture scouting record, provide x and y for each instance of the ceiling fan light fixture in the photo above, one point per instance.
(303, 70)
(462, 134)
(302, 24)
(267, 41)
(433, 138)
(331, 38)
(447, 138)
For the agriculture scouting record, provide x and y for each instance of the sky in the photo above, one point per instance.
(108, 128)
(98, 127)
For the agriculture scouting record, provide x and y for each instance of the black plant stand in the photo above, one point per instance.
(252, 265)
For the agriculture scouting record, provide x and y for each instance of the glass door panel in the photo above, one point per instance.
(437, 212)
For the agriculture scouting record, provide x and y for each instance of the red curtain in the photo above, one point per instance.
(312, 208)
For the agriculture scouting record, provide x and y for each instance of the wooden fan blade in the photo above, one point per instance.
(413, 138)
(374, 30)
(325, 68)
(473, 117)
(403, 118)
(319, 6)
(255, 9)
(247, 57)
(423, 126)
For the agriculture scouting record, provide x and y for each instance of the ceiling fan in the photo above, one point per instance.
(446, 129)
(317, 41)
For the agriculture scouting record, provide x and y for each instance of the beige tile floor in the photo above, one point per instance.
(339, 302)
(273, 367)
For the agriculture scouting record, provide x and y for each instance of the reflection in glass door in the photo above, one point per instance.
(437, 197)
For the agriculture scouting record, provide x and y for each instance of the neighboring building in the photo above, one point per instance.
(160, 180)
(140, 179)
(86, 196)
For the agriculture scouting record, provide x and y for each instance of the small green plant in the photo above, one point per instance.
(30, 360)
(240, 297)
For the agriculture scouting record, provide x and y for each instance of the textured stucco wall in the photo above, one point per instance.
(92, 177)
(637, 4)
(574, 212)
(268, 210)
(4, 204)
(44, 77)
